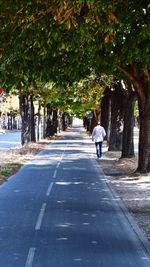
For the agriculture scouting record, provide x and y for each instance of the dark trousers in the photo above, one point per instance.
(98, 149)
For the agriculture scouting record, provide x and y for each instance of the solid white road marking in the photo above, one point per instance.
(40, 217)
(49, 189)
(30, 257)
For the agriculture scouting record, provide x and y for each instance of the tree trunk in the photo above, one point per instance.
(49, 121)
(64, 126)
(116, 127)
(141, 82)
(55, 121)
(128, 129)
(105, 111)
(44, 121)
(144, 117)
(32, 120)
(9, 121)
(95, 119)
(25, 117)
(144, 144)
(39, 121)
(59, 121)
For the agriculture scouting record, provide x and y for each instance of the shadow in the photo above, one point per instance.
(83, 224)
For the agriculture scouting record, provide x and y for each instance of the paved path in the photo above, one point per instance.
(58, 211)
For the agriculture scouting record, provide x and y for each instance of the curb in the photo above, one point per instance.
(144, 242)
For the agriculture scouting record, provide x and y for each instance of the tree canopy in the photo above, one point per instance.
(64, 41)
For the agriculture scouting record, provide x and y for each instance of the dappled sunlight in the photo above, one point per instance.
(145, 199)
(78, 234)
(68, 154)
(74, 141)
(62, 239)
(78, 259)
(69, 183)
(67, 224)
(82, 218)
(141, 183)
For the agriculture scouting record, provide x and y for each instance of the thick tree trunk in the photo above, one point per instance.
(141, 83)
(144, 145)
(105, 111)
(117, 113)
(128, 130)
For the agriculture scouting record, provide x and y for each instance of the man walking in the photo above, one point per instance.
(98, 135)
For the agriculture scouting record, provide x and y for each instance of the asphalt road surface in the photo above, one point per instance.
(10, 140)
(58, 211)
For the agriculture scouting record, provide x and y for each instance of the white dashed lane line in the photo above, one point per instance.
(30, 257)
(49, 189)
(40, 217)
(31, 253)
(55, 173)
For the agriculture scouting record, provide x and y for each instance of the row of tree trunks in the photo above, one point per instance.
(141, 81)
(53, 120)
(122, 112)
(117, 117)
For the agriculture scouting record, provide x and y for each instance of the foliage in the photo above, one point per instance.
(62, 41)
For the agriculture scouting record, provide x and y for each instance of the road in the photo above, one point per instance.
(10, 140)
(58, 211)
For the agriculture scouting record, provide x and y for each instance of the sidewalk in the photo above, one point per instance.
(133, 189)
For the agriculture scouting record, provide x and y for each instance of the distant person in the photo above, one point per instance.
(98, 135)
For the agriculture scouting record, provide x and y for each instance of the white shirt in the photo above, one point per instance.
(98, 133)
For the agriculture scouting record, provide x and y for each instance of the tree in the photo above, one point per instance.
(117, 116)
(67, 39)
(129, 121)
(120, 42)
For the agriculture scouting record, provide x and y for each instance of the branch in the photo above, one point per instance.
(133, 76)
